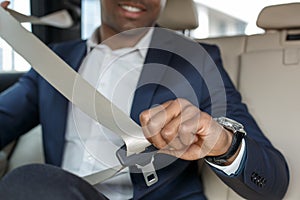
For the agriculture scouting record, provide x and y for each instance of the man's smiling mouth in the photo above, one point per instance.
(131, 8)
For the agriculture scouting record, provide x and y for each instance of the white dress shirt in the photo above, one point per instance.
(90, 147)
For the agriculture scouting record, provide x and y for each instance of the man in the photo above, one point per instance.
(173, 89)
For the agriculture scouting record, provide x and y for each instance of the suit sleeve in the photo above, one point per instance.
(263, 173)
(18, 108)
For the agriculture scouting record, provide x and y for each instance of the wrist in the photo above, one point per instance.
(237, 134)
(223, 144)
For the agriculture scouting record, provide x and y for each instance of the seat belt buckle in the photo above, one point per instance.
(143, 161)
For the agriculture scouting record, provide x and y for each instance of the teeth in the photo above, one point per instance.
(131, 9)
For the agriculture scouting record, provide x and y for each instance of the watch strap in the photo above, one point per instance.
(235, 144)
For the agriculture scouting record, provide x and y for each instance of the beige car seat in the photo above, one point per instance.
(267, 67)
(266, 70)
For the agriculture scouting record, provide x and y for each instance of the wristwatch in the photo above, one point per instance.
(238, 134)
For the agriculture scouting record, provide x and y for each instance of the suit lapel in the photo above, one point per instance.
(152, 72)
(156, 64)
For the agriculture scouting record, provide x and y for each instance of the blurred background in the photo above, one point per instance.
(216, 18)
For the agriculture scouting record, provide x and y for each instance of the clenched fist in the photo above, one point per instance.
(181, 129)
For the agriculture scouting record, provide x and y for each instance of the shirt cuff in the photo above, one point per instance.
(234, 166)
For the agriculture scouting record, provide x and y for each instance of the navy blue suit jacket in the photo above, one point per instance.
(169, 72)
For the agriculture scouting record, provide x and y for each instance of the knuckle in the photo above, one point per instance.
(154, 125)
(187, 139)
(167, 133)
(160, 145)
(191, 109)
(206, 121)
(145, 116)
(184, 129)
(182, 101)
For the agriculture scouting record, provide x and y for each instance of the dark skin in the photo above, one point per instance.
(116, 19)
(176, 127)
(180, 129)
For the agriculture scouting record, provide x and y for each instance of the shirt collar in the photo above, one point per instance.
(93, 41)
(142, 46)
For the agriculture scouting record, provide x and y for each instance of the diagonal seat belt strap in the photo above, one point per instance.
(70, 84)
(59, 19)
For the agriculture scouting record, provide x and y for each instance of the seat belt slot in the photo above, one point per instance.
(143, 161)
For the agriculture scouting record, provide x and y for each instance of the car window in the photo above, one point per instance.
(216, 17)
(9, 59)
(231, 17)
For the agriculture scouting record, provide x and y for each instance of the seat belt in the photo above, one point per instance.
(78, 91)
(58, 19)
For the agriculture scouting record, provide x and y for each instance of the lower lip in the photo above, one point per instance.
(131, 15)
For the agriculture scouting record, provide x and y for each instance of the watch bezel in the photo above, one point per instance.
(230, 124)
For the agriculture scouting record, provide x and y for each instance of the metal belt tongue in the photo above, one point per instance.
(77, 90)
(145, 163)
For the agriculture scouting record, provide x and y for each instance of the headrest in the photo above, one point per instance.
(179, 15)
(284, 16)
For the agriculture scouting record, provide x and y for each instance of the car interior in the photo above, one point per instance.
(265, 68)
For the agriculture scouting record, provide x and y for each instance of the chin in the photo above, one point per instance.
(133, 30)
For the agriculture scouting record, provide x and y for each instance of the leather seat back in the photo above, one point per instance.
(179, 15)
(269, 83)
(268, 68)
